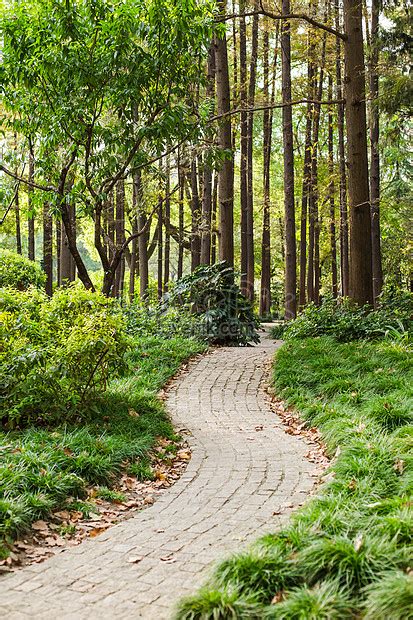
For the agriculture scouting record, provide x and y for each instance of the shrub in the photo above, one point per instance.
(225, 315)
(56, 355)
(390, 598)
(161, 321)
(19, 272)
(346, 322)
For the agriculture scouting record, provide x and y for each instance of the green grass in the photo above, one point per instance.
(349, 551)
(41, 468)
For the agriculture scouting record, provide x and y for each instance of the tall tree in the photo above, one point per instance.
(344, 240)
(226, 173)
(31, 252)
(48, 248)
(331, 191)
(289, 206)
(361, 284)
(250, 157)
(374, 151)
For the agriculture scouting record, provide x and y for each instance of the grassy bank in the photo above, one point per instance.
(348, 552)
(40, 468)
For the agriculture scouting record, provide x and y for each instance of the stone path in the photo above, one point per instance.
(243, 469)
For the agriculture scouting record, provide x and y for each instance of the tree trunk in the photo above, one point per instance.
(306, 183)
(66, 258)
(47, 248)
(160, 249)
(214, 220)
(344, 245)
(374, 153)
(243, 147)
(250, 159)
(226, 173)
(142, 239)
(134, 252)
(58, 250)
(195, 218)
(181, 181)
(117, 286)
(289, 206)
(331, 193)
(361, 284)
(31, 251)
(17, 219)
(314, 179)
(167, 245)
(265, 290)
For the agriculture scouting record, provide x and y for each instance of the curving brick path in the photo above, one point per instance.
(244, 468)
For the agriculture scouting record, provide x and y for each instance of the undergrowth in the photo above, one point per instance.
(348, 552)
(42, 468)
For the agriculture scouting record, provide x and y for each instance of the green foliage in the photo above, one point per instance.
(42, 468)
(227, 604)
(348, 551)
(57, 354)
(345, 321)
(325, 601)
(225, 315)
(390, 598)
(160, 321)
(19, 272)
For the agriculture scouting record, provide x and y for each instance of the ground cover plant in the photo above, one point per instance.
(346, 321)
(348, 552)
(54, 450)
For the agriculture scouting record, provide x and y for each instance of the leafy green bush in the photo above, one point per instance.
(225, 316)
(19, 272)
(161, 321)
(346, 321)
(42, 469)
(56, 355)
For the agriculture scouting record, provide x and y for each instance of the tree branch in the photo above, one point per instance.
(272, 106)
(275, 16)
(13, 175)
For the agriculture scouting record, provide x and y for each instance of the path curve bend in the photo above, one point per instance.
(244, 468)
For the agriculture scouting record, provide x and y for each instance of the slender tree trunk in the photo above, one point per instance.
(243, 147)
(134, 257)
(344, 242)
(250, 158)
(111, 224)
(226, 173)
(207, 182)
(374, 153)
(160, 248)
(142, 239)
(58, 250)
(289, 206)
(235, 85)
(306, 185)
(214, 220)
(47, 248)
(119, 236)
(314, 178)
(181, 180)
(31, 251)
(195, 218)
(331, 192)
(265, 291)
(361, 284)
(17, 219)
(167, 246)
(66, 269)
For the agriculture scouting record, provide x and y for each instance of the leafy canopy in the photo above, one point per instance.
(107, 83)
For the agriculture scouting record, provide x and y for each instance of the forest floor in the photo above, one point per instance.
(245, 476)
